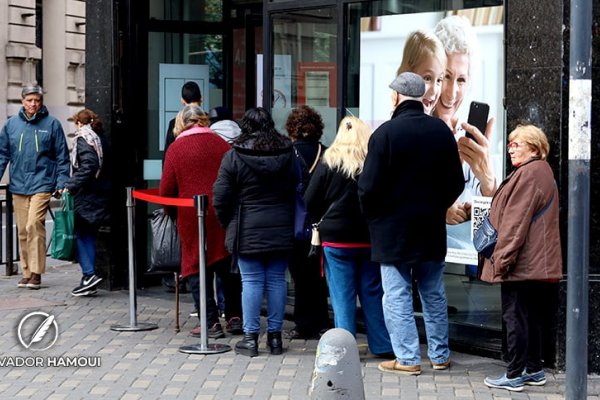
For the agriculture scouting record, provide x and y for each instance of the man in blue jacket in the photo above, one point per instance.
(34, 144)
(412, 174)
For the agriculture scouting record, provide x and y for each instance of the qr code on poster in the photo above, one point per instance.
(477, 215)
(479, 209)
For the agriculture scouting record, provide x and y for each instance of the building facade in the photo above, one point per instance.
(337, 56)
(43, 42)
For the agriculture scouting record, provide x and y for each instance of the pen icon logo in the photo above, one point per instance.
(38, 331)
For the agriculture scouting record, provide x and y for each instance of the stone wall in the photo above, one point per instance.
(537, 75)
(62, 58)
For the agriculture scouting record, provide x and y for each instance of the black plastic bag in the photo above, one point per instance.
(166, 247)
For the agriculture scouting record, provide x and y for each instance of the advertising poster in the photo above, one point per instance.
(316, 84)
(473, 71)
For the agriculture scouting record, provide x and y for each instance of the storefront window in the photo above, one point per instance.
(376, 40)
(304, 64)
(173, 59)
(187, 10)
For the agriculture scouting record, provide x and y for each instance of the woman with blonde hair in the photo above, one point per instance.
(191, 116)
(332, 199)
(424, 55)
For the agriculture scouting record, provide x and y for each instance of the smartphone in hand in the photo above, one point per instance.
(478, 117)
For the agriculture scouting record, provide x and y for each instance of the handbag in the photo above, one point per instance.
(315, 242)
(315, 239)
(302, 221)
(64, 240)
(166, 246)
(485, 238)
(301, 217)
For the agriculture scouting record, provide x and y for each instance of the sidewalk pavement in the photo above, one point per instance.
(147, 365)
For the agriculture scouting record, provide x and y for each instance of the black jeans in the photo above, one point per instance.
(232, 290)
(524, 305)
(311, 312)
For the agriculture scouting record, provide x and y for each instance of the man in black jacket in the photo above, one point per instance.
(190, 94)
(412, 174)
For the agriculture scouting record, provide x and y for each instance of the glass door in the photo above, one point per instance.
(246, 47)
(304, 51)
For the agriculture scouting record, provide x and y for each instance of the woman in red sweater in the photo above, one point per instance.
(191, 166)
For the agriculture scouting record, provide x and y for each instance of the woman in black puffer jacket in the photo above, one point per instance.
(90, 187)
(253, 197)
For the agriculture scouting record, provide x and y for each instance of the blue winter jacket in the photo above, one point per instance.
(37, 151)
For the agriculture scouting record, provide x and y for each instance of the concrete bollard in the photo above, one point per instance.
(338, 372)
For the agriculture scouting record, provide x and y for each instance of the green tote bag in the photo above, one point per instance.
(64, 240)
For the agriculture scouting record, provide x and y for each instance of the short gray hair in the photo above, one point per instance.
(457, 35)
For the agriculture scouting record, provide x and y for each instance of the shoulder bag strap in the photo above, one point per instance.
(317, 158)
(314, 164)
(539, 213)
(326, 212)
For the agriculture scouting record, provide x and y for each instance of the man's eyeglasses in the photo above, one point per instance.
(515, 145)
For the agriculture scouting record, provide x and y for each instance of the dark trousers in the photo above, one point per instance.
(232, 291)
(524, 305)
(311, 312)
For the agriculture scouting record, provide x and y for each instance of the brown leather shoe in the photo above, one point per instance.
(23, 283)
(214, 332)
(441, 366)
(397, 368)
(35, 282)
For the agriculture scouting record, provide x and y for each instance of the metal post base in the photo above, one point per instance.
(213, 348)
(133, 328)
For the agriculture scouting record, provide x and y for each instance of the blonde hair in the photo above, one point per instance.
(534, 137)
(191, 115)
(349, 149)
(419, 45)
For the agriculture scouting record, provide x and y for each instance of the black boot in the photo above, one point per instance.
(274, 342)
(248, 346)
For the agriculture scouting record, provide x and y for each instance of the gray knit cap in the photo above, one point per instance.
(409, 84)
(31, 89)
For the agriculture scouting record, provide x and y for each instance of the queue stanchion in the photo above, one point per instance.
(133, 324)
(201, 204)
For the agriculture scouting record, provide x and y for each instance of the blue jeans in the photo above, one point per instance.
(86, 249)
(350, 273)
(399, 313)
(260, 274)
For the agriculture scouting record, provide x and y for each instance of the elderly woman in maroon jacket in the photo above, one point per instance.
(527, 259)
(191, 166)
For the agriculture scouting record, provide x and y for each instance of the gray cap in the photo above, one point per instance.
(32, 89)
(409, 84)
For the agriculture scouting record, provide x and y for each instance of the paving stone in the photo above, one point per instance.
(148, 365)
